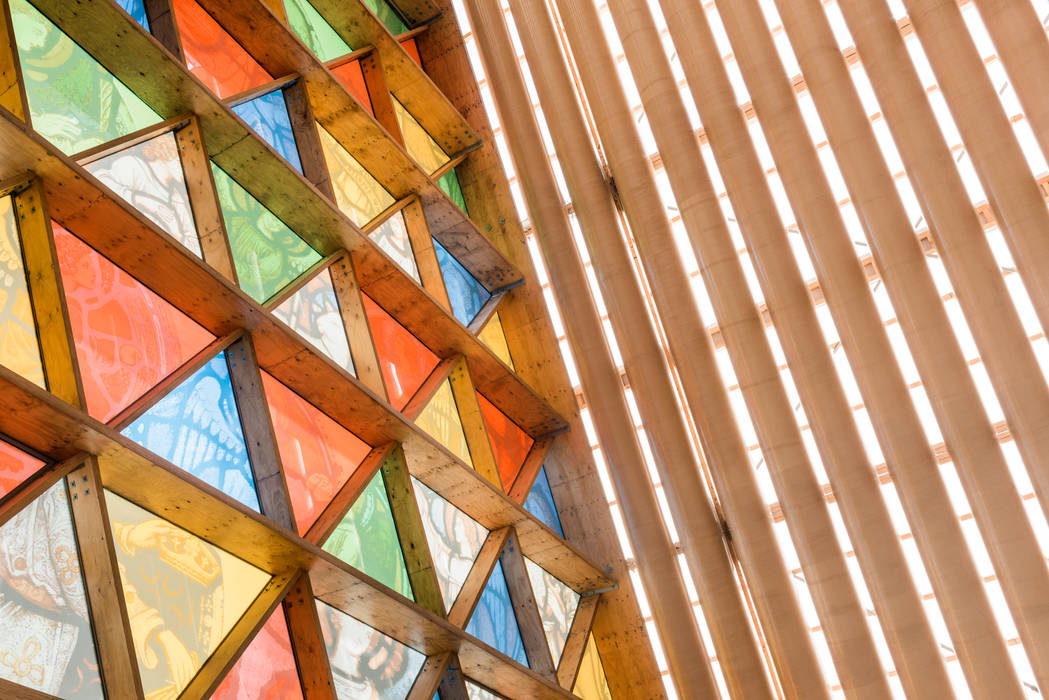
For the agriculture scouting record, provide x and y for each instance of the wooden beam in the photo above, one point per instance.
(12, 91)
(259, 438)
(45, 289)
(575, 643)
(127, 141)
(347, 495)
(163, 27)
(430, 677)
(484, 315)
(416, 13)
(379, 95)
(526, 609)
(204, 198)
(240, 637)
(304, 127)
(105, 592)
(411, 533)
(469, 595)
(355, 320)
(425, 253)
(311, 654)
(35, 486)
(473, 422)
(453, 685)
(526, 476)
(422, 396)
(14, 691)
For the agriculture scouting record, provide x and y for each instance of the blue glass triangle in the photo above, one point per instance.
(494, 621)
(540, 503)
(464, 291)
(268, 116)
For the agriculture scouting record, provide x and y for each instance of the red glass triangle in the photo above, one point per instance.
(266, 670)
(15, 467)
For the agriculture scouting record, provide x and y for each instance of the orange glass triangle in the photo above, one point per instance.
(404, 360)
(213, 55)
(510, 444)
(266, 670)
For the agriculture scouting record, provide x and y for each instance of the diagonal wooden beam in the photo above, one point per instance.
(355, 321)
(379, 95)
(162, 25)
(526, 609)
(431, 676)
(575, 643)
(311, 655)
(348, 494)
(425, 392)
(304, 127)
(12, 90)
(470, 594)
(453, 685)
(473, 422)
(13, 691)
(526, 476)
(425, 254)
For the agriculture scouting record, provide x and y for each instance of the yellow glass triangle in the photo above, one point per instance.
(591, 683)
(418, 142)
(358, 194)
(19, 350)
(441, 419)
(493, 336)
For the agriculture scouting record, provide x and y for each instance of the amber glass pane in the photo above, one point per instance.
(183, 595)
(313, 311)
(352, 78)
(591, 683)
(404, 360)
(15, 467)
(419, 144)
(213, 55)
(454, 538)
(74, 102)
(557, 604)
(510, 444)
(127, 338)
(317, 453)
(45, 626)
(19, 350)
(441, 420)
(266, 670)
(493, 336)
(358, 194)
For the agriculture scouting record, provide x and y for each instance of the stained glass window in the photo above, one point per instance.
(266, 670)
(449, 182)
(455, 539)
(392, 237)
(494, 621)
(476, 692)
(387, 16)
(540, 503)
(358, 194)
(366, 539)
(493, 336)
(441, 420)
(149, 177)
(510, 444)
(411, 47)
(317, 453)
(267, 115)
(183, 595)
(15, 467)
(557, 604)
(365, 663)
(314, 30)
(464, 291)
(352, 78)
(419, 144)
(45, 625)
(197, 427)
(267, 254)
(137, 10)
(313, 312)
(127, 338)
(19, 349)
(591, 683)
(213, 55)
(74, 102)
(404, 360)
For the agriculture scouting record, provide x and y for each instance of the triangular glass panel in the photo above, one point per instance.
(540, 503)
(74, 102)
(418, 142)
(352, 78)
(213, 55)
(314, 30)
(15, 467)
(46, 642)
(494, 621)
(455, 539)
(493, 336)
(510, 444)
(183, 595)
(313, 312)
(318, 454)
(127, 338)
(266, 670)
(440, 418)
(197, 427)
(464, 291)
(404, 360)
(392, 237)
(411, 47)
(365, 663)
(476, 692)
(366, 539)
(267, 115)
(557, 605)
(591, 683)
(19, 348)
(267, 254)
(358, 194)
(149, 177)
(387, 16)
(137, 10)
(449, 182)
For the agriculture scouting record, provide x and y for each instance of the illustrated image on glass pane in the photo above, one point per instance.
(464, 291)
(540, 503)
(494, 621)
(455, 540)
(313, 312)
(197, 427)
(75, 103)
(213, 55)
(46, 642)
(314, 30)
(183, 595)
(366, 539)
(266, 670)
(419, 144)
(318, 454)
(392, 237)
(19, 349)
(365, 663)
(440, 418)
(405, 362)
(149, 177)
(267, 254)
(267, 115)
(358, 194)
(557, 605)
(127, 338)
(15, 467)
(477, 692)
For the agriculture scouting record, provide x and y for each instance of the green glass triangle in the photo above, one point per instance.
(314, 30)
